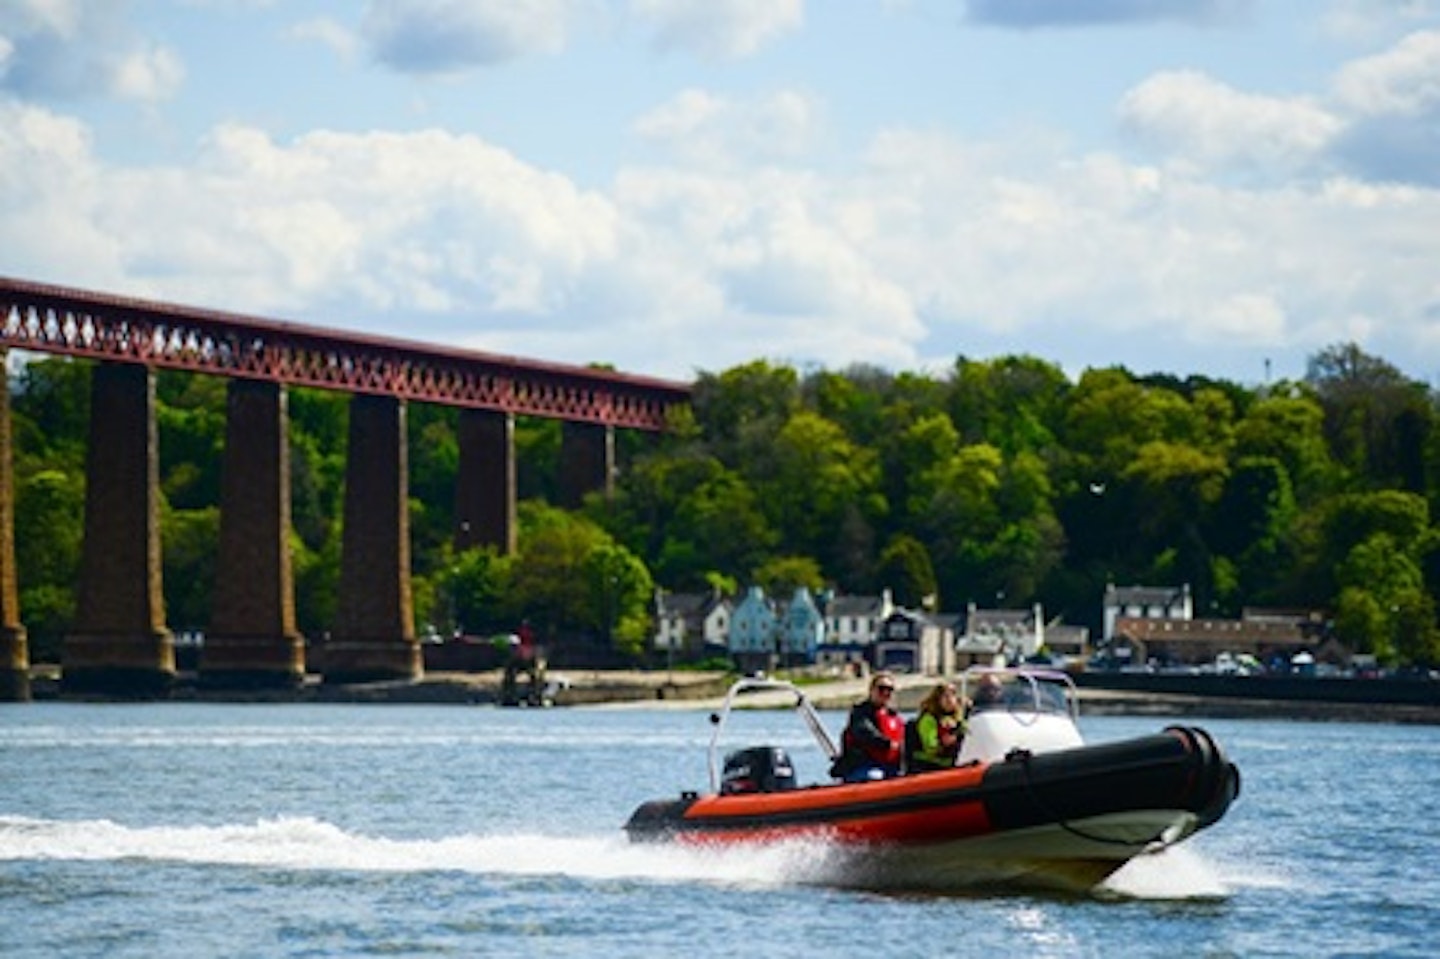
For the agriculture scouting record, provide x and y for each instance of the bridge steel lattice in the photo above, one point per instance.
(119, 642)
(52, 319)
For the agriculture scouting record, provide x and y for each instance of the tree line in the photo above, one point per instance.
(1001, 482)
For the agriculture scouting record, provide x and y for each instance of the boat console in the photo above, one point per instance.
(1017, 709)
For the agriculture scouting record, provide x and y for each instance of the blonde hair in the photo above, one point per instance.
(931, 703)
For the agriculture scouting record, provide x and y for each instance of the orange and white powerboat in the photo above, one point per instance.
(1028, 803)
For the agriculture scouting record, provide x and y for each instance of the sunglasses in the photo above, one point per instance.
(886, 689)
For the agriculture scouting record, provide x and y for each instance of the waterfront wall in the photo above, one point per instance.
(1400, 692)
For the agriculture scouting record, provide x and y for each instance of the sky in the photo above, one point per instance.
(1220, 188)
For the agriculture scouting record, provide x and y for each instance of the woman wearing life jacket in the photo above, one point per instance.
(872, 744)
(938, 730)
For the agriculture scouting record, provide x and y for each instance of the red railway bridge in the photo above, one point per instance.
(119, 641)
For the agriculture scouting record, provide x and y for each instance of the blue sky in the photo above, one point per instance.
(1216, 187)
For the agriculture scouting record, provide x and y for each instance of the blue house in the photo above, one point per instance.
(801, 630)
(753, 632)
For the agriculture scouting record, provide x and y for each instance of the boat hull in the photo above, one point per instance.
(1062, 820)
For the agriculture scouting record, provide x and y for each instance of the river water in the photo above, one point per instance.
(190, 829)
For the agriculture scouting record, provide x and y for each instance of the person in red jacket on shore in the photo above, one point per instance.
(873, 742)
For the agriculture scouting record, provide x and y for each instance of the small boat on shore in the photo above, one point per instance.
(1029, 804)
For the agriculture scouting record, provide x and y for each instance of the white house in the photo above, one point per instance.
(855, 620)
(1145, 602)
(692, 623)
(991, 634)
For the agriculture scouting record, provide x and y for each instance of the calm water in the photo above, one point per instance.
(174, 830)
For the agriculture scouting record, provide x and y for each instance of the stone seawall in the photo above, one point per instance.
(1138, 694)
(1395, 692)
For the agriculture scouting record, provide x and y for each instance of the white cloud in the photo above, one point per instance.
(65, 49)
(928, 244)
(704, 128)
(935, 245)
(719, 28)
(1380, 119)
(149, 75)
(1205, 121)
(1044, 249)
(1393, 101)
(429, 220)
(50, 186)
(1404, 80)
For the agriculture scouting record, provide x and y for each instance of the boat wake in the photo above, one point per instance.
(1180, 872)
(304, 843)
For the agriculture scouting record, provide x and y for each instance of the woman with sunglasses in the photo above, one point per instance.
(873, 741)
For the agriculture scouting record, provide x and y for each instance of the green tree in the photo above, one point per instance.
(718, 528)
(1360, 622)
(481, 592)
(954, 502)
(51, 409)
(570, 574)
(818, 476)
(190, 541)
(1030, 543)
(691, 514)
(905, 568)
(317, 577)
(1384, 571)
(1248, 526)
(1323, 536)
(434, 462)
(1288, 426)
(782, 575)
(1414, 636)
(619, 593)
(742, 406)
(1378, 422)
(1015, 402)
(49, 531)
(917, 462)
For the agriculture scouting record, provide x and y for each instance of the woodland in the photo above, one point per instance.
(1002, 482)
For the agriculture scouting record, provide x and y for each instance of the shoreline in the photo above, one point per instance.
(634, 689)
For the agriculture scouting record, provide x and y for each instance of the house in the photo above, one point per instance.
(913, 642)
(1144, 602)
(852, 620)
(692, 625)
(764, 634)
(751, 639)
(993, 635)
(800, 629)
(847, 633)
(1269, 637)
(1065, 641)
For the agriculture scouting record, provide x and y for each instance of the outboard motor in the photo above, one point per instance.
(758, 769)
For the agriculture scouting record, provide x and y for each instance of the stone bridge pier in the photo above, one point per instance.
(118, 643)
(252, 640)
(14, 646)
(374, 634)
